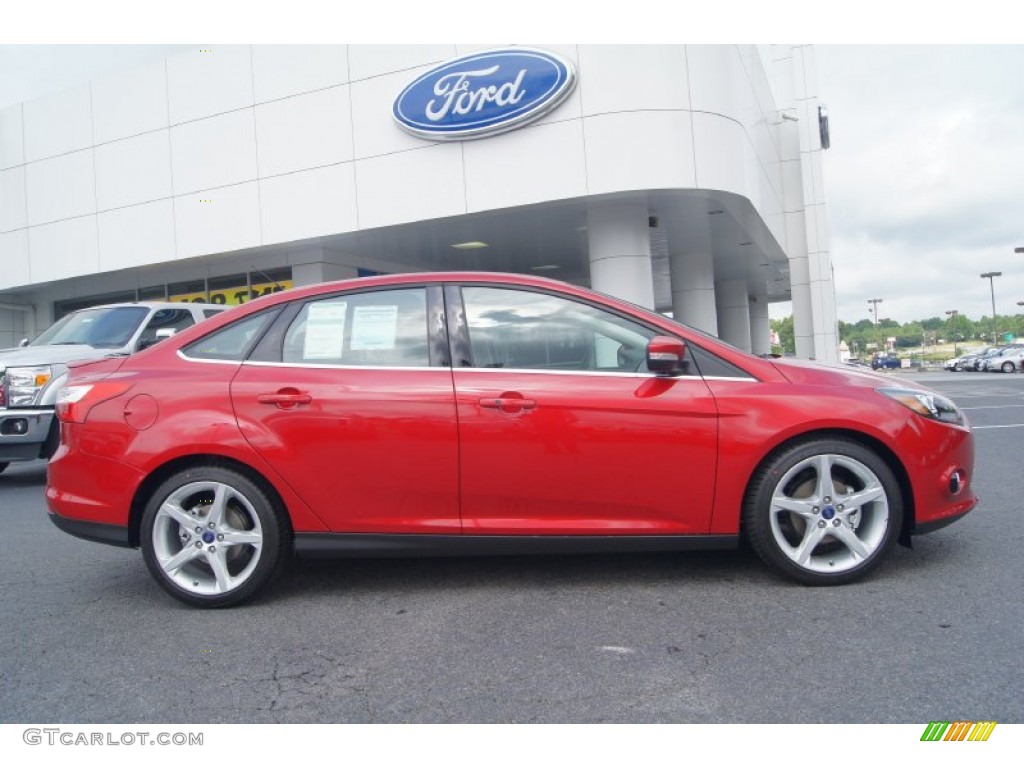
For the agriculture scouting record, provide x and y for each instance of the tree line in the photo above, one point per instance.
(954, 329)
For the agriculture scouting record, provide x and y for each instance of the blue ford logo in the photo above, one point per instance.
(484, 93)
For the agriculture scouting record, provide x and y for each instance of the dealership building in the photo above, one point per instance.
(687, 179)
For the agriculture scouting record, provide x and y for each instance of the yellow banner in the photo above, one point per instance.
(233, 296)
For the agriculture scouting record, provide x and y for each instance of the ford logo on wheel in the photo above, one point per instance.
(484, 93)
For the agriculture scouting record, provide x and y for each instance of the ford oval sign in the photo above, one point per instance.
(484, 93)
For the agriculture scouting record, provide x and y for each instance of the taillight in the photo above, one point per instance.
(76, 400)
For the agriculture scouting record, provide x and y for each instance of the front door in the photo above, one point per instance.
(562, 430)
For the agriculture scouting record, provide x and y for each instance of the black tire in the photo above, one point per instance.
(241, 537)
(823, 533)
(1007, 367)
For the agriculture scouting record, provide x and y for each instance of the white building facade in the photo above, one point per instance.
(683, 178)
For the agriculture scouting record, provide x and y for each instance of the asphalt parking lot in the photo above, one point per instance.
(686, 638)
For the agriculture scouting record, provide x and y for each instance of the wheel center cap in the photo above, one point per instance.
(828, 512)
(209, 537)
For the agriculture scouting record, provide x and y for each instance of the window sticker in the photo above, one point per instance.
(325, 330)
(374, 327)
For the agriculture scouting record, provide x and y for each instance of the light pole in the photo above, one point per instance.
(991, 286)
(952, 316)
(874, 304)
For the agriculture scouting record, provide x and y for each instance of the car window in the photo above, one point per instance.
(522, 329)
(375, 328)
(173, 319)
(232, 342)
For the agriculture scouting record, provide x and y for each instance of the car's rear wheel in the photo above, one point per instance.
(823, 511)
(1007, 367)
(211, 537)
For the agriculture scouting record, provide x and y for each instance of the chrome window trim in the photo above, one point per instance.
(540, 371)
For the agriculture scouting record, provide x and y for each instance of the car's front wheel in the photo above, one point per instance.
(211, 537)
(1007, 367)
(823, 511)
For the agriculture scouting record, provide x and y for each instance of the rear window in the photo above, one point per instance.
(232, 342)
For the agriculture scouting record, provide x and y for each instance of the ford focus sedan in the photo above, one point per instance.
(467, 413)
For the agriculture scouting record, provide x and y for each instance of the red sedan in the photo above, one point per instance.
(482, 413)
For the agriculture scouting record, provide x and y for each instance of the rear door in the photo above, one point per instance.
(349, 397)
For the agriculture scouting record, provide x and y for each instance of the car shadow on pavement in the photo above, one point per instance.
(24, 475)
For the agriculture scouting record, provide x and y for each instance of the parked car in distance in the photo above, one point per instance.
(479, 413)
(32, 374)
(966, 361)
(1007, 361)
(982, 362)
(885, 360)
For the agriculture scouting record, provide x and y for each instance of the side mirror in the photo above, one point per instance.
(161, 334)
(666, 356)
(23, 343)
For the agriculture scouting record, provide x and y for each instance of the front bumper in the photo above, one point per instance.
(23, 432)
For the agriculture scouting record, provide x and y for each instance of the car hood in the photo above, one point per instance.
(48, 354)
(836, 375)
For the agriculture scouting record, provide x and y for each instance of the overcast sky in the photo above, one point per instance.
(924, 180)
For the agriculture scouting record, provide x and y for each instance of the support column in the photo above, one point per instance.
(620, 252)
(733, 313)
(692, 268)
(760, 325)
(803, 323)
(319, 266)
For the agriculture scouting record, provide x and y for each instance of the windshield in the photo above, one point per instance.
(103, 327)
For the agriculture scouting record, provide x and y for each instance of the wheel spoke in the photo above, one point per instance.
(234, 537)
(854, 544)
(797, 506)
(177, 514)
(824, 487)
(812, 537)
(866, 496)
(221, 494)
(218, 562)
(187, 554)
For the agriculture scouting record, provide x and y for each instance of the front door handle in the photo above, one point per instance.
(509, 402)
(285, 398)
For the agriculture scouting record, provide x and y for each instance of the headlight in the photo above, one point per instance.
(25, 384)
(927, 404)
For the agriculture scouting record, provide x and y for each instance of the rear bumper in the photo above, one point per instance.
(89, 491)
(116, 535)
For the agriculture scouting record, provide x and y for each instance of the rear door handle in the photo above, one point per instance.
(509, 402)
(285, 398)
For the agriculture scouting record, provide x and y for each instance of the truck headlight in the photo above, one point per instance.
(25, 384)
